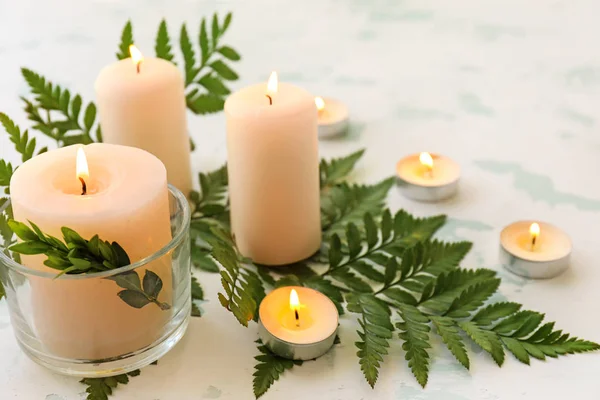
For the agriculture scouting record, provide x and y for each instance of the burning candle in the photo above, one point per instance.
(141, 103)
(535, 249)
(332, 117)
(427, 177)
(119, 193)
(298, 323)
(273, 167)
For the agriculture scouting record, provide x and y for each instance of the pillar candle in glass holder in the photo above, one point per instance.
(142, 104)
(273, 166)
(125, 200)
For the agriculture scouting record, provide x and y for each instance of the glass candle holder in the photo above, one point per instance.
(79, 325)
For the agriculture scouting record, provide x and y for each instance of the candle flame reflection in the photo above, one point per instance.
(320, 103)
(426, 160)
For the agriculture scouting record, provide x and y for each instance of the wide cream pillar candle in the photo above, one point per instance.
(126, 201)
(273, 167)
(141, 103)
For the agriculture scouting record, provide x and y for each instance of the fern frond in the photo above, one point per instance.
(375, 333)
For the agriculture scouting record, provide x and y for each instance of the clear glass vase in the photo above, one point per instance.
(79, 325)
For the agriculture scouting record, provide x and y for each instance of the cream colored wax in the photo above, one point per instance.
(146, 109)
(126, 202)
(273, 166)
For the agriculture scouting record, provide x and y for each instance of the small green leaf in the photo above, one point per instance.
(204, 103)
(335, 251)
(449, 332)
(391, 270)
(30, 248)
(229, 53)
(127, 280)
(152, 284)
(415, 333)
(269, 369)
(214, 85)
(492, 313)
(204, 45)
(223, 70)
(133, 298)
(162, 44)
(226, 23)
(22, 231)
(90, 116)
(354, 240)
(126, 41)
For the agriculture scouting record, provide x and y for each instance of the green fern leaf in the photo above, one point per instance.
(344, 203)
(204, 103)
(517, 321)
(101, 388)
(243, 288)
(212, 199)
(189, 56)
(439, 295)
(162, 45)
(414, 330)
(23, 145)
(447, 329)
(126, 41)
(214, 85)
(204, 44)
(54, 99)
(269, 369)
(332, 172)
(375, 333)
(328, 289)
(224, 70)
(494, 312)
(472, 298)
(229, 53)
(226, 23)
(487, 340)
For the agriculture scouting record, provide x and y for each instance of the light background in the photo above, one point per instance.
(508, 88)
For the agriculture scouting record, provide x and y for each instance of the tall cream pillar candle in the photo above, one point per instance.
(141, 103)
(126, 202)
(273, 167)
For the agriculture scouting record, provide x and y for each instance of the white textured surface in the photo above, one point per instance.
(508, 88)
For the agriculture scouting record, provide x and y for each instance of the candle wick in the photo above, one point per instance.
(297, 318)
(137, 66)
(270, 99)
(533, 239)
(83, 186)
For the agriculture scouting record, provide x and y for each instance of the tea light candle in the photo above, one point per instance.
(297, 322)
(427, 177)
(332, 117)
(141, 103)
(273, 169)
(535, 249)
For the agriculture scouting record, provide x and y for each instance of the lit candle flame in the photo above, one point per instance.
(272, 84)
(81, 169)
(320, 103)
(295, 305)
(426, 160)
(534, 231)
(136, 56)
